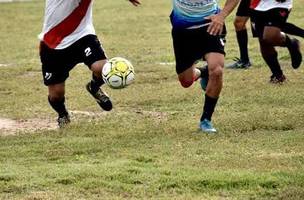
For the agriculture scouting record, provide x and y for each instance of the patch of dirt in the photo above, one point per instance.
(11, 127)
(157, 116)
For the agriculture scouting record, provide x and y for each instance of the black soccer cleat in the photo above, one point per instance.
(295, 53)
(277, 79)
(63, 121)
(239, 64)
(101, 98)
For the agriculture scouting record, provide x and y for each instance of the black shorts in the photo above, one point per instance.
(276, 17)
(191, 45)
(243, 9)
(57, 63)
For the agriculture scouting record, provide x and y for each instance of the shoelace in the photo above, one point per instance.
(101, 96)
(236, 59)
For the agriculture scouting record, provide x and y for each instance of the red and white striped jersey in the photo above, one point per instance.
(264, 5)
(66, 21)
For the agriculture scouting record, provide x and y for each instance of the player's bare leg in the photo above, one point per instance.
(215, 68)
(94, 85)
(270, 56)
(272, 37)
(187, 77)
(215, 83)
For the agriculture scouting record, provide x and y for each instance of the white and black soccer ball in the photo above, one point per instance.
(118, 73)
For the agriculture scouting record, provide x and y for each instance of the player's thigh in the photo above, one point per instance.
(214, 51)
(92, 52)
(274, 20)
(56, 64)
(187, 50)
(187, 74)
(243, 8)
(271, 33)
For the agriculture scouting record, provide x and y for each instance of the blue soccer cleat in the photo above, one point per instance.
(204, 77)
(204, 82)
(206, 126)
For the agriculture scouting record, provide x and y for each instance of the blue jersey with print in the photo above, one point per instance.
(189, 13)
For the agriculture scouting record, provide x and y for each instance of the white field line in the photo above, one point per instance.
(166, 63)
(5, 65)
(10, 1)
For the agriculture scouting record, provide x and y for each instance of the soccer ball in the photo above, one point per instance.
(118, 72)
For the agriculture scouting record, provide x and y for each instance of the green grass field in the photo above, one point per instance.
(149, 146)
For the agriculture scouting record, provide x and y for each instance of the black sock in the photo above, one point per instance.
(59, 107)
(293, 30)
(242, 39)
(209, 107)
(273, 64)
(96, 82)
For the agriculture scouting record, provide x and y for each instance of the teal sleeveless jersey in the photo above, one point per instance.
(191, 13)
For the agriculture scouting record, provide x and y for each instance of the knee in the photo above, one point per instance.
(56, 96)
(216, 72)
(185, 83)
(273, 37)
(56, 93)
(97, 66)
(239, 24)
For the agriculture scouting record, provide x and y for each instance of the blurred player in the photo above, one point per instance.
(242, 16)
(196, 29)
(268, 17)
(68, 38)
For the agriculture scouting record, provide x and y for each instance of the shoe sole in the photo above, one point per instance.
(239, 67)
(208, 131)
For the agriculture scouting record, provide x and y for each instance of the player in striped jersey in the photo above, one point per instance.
(197, 26)
(68, 38)
(268, 19)
(241, 18)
